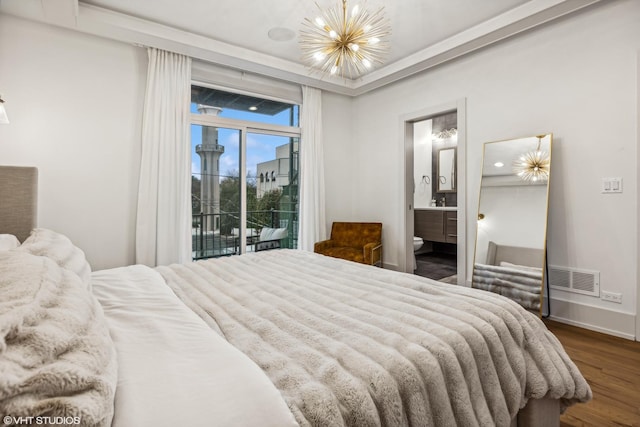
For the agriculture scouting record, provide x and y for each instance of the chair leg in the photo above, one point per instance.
(377, 261)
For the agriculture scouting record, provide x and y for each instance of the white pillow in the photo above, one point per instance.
(8, 242)
(520, 267)
(268, 233)
(251, 232)
(60, 249)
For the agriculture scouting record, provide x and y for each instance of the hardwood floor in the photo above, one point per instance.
(611, 366)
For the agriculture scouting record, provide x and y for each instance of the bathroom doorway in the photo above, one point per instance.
(435, 245)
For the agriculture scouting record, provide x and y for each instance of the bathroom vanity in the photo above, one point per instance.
(437, 224)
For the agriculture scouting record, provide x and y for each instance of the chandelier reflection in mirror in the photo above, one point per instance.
(345, 43)
(534, 165)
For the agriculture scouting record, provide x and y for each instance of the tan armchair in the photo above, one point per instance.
(354, 241)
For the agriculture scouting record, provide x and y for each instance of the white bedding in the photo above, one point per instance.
(278, 338)
(173, 369)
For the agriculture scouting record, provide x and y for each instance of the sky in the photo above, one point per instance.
(260, 148)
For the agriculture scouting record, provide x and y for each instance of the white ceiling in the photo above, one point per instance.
(234, 33)
(417, 24)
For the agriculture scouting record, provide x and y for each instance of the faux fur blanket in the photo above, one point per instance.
(349, 344)
(57, 360)
(523, 286)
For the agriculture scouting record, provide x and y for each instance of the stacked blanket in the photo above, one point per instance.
(349, 344)
(523, 285)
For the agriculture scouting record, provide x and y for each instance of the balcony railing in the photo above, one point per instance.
(216, 235)
(210, 147)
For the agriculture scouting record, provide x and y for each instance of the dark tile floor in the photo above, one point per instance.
(436, 265)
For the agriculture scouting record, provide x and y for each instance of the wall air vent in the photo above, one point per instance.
(586, 282)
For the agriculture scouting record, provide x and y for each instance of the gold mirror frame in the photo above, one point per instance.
(447, 170)
(511, 234)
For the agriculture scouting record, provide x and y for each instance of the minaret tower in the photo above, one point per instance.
(210, 152)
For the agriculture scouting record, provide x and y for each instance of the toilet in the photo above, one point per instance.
(417, 244)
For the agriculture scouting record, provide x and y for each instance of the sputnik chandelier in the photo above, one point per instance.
(345, 43)
(446, 133)
(534, 165)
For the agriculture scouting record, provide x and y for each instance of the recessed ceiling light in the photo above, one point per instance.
(253, 108)
(280, 34)
(498, 164)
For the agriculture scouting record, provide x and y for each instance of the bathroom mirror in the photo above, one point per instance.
(447, 170)
(512, 219)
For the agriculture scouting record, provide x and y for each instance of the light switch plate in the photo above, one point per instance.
(612, 185)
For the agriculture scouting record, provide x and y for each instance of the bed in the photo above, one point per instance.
(271, 338)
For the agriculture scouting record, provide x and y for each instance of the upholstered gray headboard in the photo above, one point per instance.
(515, 255)
(18, 200)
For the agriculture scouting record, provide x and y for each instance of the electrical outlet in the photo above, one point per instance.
(611, 296)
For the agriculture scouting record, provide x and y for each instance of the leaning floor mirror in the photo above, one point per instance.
(512, 220)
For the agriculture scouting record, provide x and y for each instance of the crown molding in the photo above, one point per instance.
(508, 24)
(74, 15)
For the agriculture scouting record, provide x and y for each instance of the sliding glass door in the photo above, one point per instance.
(272, 190)
(244, 174)
(216, 199)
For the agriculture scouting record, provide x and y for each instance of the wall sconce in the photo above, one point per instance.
(3, 113)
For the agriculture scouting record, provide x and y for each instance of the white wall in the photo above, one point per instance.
(575, 78)
(75, 106)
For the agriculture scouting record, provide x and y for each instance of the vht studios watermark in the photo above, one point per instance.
(40, 421)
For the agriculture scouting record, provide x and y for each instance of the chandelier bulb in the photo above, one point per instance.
(355, 10)
(334, 69)
(354, 47)
(333, 34)
(320, 22)
(366, 63)
(374, 40)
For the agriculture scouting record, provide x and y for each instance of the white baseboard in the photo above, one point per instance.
(594, 318)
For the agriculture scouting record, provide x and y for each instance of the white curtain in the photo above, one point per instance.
(163, 226)
(312, 226)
